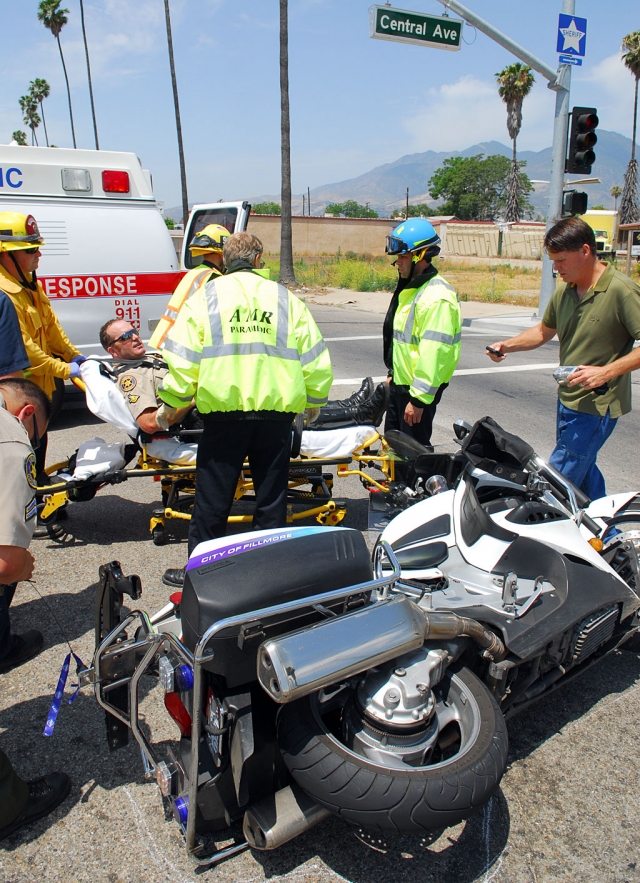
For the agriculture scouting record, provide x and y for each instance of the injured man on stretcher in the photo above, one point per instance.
(139, 374)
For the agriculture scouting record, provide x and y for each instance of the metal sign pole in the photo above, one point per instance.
(559, 82)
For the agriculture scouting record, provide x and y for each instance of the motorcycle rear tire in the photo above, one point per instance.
(408, 799)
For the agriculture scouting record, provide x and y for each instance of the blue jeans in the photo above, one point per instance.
(579, 437)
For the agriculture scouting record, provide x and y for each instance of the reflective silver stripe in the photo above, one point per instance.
(218, 348)
(283, 314)
(183, 351)
(421, 386)
(313, 353)
(174, 395)
(170, 314)
(248, 349)
(195, 285)
(441, 337)
(318, 401)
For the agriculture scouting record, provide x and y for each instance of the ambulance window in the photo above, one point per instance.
(226, 217)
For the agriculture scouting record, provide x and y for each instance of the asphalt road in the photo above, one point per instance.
(567, 807)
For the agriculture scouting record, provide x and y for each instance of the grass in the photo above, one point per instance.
(501, 283)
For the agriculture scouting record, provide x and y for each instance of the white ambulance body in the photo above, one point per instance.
(108, 252)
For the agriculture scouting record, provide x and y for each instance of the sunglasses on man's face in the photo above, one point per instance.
(127, 335)
(31, 250)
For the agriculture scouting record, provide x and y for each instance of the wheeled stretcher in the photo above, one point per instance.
(170, 459)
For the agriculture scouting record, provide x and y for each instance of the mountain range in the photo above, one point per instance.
(385, 186)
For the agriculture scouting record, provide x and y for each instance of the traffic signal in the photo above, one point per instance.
(574, 202)
(584, 122)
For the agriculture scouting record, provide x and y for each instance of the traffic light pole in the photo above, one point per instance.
(559, 82)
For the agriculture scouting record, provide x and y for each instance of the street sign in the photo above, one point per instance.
(572, 35)
(569, 59)
(403, 26)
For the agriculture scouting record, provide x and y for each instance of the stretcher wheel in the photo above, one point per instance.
(158, 535)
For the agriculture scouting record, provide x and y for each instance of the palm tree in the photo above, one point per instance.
(629, 204)
(20, 138)
(287, 274)
(86, 52)
(39, 89)
(615, 192)
(54, 19)
(174, 83)
(29, 108)
(514, 84)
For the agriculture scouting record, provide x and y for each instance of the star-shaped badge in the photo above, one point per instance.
(572, 36)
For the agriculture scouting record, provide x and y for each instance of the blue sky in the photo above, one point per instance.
(355, 102)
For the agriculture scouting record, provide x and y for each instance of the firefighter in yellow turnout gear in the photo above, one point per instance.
(422, 331)
(207, 244)
(252, 356)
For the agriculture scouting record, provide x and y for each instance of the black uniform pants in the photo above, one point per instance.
(222, 449)
(398, 401)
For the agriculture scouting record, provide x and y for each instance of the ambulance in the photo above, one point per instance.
(108, 251)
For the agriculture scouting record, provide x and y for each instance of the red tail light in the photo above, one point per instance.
(115, 182)
(174, 705)
(176, 598)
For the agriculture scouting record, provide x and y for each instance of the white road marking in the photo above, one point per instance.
(542, 366)
(367, 337)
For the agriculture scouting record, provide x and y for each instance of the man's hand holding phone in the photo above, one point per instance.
(495, 351)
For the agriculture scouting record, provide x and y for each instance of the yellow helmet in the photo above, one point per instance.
(209, 239)
(18, 231)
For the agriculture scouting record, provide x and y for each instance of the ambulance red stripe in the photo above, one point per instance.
(110, 285)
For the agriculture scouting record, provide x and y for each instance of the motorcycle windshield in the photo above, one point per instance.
(404, 446)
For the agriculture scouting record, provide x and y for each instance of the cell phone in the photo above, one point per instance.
(494, 352)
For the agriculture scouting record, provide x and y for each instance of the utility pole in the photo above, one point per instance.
(559, 82)
(309, 201)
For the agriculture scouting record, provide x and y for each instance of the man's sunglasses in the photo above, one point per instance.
(31, 250)
(127, 335)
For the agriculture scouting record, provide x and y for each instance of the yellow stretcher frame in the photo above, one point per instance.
(321, 505)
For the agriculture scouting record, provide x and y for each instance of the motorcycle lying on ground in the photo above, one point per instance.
(308, 678)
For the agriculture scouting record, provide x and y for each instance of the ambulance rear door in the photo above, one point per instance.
(232, 215)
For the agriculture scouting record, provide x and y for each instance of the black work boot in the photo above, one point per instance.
(174, 577)
(45, 795)
(369, 413)
(357, 398)
(372, 411)
(23, 647)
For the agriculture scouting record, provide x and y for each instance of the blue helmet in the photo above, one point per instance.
(415, 235)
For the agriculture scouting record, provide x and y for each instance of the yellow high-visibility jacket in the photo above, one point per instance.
(42, 334)
(244, 344)
(184, 289)
(427, 331)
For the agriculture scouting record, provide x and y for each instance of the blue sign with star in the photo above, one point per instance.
(572, 35)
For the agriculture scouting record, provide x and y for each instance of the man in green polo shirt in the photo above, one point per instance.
(596, 315)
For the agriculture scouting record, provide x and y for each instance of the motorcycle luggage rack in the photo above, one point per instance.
(154, 642)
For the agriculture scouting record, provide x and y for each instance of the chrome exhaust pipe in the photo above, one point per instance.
(304, 661)
(307, 660)
(281, 817)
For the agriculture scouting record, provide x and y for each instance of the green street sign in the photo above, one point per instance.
(402, 26)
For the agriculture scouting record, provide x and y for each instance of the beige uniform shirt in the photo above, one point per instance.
(17, 496)
(139, 387)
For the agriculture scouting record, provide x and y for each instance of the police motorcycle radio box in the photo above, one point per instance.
(108, 252)
(229, 576)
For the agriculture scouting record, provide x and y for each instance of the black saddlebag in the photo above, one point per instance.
(250, 571)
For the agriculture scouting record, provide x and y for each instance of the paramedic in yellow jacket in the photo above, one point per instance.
(252, 356)
(422, 331)
(42, 334)
(206, 244)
